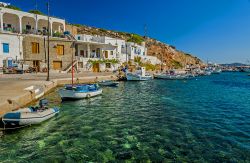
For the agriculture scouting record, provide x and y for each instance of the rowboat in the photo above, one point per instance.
(30, 116)
(79, 91)
(108, 83)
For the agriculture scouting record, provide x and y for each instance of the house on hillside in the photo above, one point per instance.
(98, 48)
(134, 50)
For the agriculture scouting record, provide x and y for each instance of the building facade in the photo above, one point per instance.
(14, 21)
(11, 49)
(36, 54)
(17, 28)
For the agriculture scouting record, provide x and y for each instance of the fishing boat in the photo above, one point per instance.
(80, 91)
(31, 115)
(138, 75)
(108, 83)
(216, 70)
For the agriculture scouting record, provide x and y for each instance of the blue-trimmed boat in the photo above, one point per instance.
(31, 115)
(80, 91)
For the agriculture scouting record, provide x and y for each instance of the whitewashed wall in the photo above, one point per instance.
(15, 47)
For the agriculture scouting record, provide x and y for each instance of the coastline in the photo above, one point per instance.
(25, 93)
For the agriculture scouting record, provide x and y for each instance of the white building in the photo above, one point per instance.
(27, 23)
(97, 48)
(11, 49)
(134, 50)
(14, 25)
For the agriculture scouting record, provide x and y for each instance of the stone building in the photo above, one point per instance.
(35, 53)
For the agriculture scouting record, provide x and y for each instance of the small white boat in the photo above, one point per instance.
(108, 83)
(82, 91)
(30, 116)
(139, 75)
(170, 77)
(246, 69)
(216, 70)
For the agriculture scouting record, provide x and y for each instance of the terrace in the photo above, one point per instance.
(14, 21)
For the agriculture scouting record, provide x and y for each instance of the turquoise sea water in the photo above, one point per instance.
(206, 119)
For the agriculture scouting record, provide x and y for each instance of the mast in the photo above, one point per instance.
(72, 70)
(48, 34)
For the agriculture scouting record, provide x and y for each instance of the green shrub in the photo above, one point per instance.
(36, 12)
(136, 38)
(176, 64)
(13, 7)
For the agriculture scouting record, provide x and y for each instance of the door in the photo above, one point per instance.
(96, 67)
(106, 53)
(36, 65)
(57, 65)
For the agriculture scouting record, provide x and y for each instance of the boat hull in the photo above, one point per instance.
(170, 77)
(71, 95)
(133, 77)
(21, 118)
(246, 70)
(109, 84)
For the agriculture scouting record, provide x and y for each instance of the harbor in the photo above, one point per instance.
(153, 120)
(27, 88)
(119, 85)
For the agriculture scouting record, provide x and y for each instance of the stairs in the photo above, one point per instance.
(37, 90)
(69, 67)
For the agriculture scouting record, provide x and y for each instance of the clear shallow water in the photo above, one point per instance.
(202, 120)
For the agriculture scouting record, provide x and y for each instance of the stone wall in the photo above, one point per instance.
(72, 29)
(29, 57)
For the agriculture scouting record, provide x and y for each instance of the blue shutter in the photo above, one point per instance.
(6, 48)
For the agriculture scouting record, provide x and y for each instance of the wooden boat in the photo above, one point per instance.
(108, 83)
(80, 91)
(139, 75)
(30, 116)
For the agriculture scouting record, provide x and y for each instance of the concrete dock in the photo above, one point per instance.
(19, 90)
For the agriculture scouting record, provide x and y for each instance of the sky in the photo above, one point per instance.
(213, 30)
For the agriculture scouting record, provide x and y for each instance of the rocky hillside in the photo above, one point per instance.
(171, 57)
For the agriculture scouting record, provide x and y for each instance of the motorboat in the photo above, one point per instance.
(171, 77)
(31, 115)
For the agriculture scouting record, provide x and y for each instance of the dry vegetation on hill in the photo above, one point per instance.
(171, 57)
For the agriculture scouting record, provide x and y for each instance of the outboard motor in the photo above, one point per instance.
(43, 103)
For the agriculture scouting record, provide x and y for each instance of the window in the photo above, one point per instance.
(60, 49)
(111, 52)
(108, 65)
(35, 48)
(6, 48)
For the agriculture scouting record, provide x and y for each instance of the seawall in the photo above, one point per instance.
(38, 90)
